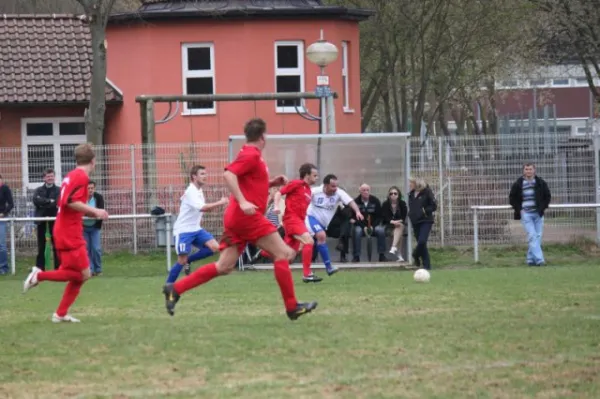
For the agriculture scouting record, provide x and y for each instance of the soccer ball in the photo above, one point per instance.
(422, 276)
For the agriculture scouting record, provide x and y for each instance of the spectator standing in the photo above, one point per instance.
(91, 231)
(421, 207)
(44, 200)
(393, 212)
(530, 197)
(6, 205)
(370, 207)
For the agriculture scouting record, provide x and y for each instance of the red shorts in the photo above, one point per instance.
(294, 227)
(74, 259)
(240, 230)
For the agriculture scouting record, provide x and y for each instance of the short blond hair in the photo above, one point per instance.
(84, 154)
(420, 183)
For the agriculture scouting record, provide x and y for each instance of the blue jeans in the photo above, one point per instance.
(533, 224)
(378, 232)
(3, 251)
(94, 248)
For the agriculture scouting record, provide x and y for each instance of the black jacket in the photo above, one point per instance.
(372, 211)
(421, 207)
(542, 196)
(100, 205)
(45, 199)
(6, 200)
(336, 226)
(388, 215)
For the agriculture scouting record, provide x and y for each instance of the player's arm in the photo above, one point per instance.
(212, 205)
(234, 186)
(347, 200)
(76, 201)
(242, 165)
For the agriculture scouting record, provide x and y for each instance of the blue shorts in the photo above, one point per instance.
(313, 225)
(185, 241)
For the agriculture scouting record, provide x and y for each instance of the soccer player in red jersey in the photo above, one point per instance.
(68, 235)
(297, 199)
(247, 177)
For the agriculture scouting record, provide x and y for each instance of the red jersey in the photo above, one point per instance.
(253, 178)
(68, 229)
(297, 199)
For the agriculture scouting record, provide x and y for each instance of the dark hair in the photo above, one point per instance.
(327, 179)
(306, 169)
(528, 164)
(255, 129)
(93, 183)
(195, 169)
(396, 189)
(47, 171)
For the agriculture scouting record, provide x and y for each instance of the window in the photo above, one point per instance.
(49, 143)
(289, 73)
(345, 77)
(509, 83)
(581, 81)
(198, 62)
(560, 82)
(538, 82)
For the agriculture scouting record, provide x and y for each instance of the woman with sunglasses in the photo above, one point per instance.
(394, 212)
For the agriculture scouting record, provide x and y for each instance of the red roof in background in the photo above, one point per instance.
(46, 59)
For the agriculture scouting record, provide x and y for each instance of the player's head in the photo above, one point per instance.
(198, 175)
(48, 176)
(85, 156)
(330, 184)
(255, 131)
(308, 173)
(528, 170)
(365, 191)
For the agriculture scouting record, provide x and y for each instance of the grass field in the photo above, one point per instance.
(497, 330)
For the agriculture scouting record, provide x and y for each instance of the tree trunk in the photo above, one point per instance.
(94, 121)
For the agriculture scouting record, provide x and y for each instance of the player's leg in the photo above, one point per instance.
(274, 244)
(183, 247)
(61, 274)
(207, 246)
(76, 260)
(306, 241)
(319, 232)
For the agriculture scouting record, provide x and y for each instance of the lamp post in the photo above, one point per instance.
(323, 53)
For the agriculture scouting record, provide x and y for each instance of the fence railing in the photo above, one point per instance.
(477, 208)
(166, 217)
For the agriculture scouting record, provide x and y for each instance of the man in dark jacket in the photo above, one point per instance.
(44, 200)
(6, 205)
(530, 197)
(370, 206)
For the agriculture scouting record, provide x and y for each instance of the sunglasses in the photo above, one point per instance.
(393, 193)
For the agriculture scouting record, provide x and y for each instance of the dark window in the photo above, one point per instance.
(288, 84)
(200, 86)
(287, 57)
(39, 129)
(198, 59)
(39, 157)
(67, 158)
(71, 128)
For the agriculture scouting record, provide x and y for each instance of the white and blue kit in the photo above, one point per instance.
(187, 229)
(322, 208)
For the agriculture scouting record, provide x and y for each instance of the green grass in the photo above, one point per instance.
(497, 330)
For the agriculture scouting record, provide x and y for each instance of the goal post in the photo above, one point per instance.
(381, 160)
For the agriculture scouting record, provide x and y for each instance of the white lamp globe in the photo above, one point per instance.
(322, 53)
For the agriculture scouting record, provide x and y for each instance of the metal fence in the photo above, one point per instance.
(463, 171)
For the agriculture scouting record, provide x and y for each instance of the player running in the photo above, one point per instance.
(68, 235)
(297, 199)
(187, 228)
(324, 202)
(244, 222)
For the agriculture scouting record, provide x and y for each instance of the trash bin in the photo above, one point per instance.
(161, 230)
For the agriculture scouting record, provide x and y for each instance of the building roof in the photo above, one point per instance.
(240, 9)
(47, 59)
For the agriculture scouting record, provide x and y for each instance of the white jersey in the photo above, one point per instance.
(323, 207)
(190, 216)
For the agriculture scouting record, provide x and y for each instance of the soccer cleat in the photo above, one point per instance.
(301, 309)
(331, 270)
(187, 269)
(171, 298)
(64, 319)
(312, 278)
(31, 280)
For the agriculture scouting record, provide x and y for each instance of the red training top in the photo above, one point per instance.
(253, 178)
(297, 200)
(68, 229)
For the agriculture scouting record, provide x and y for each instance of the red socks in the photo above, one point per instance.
(60, 275)
(307, 252)
(283, 275)
(198, 277)
(69, 296)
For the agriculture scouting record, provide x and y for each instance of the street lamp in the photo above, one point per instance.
(323, 53)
